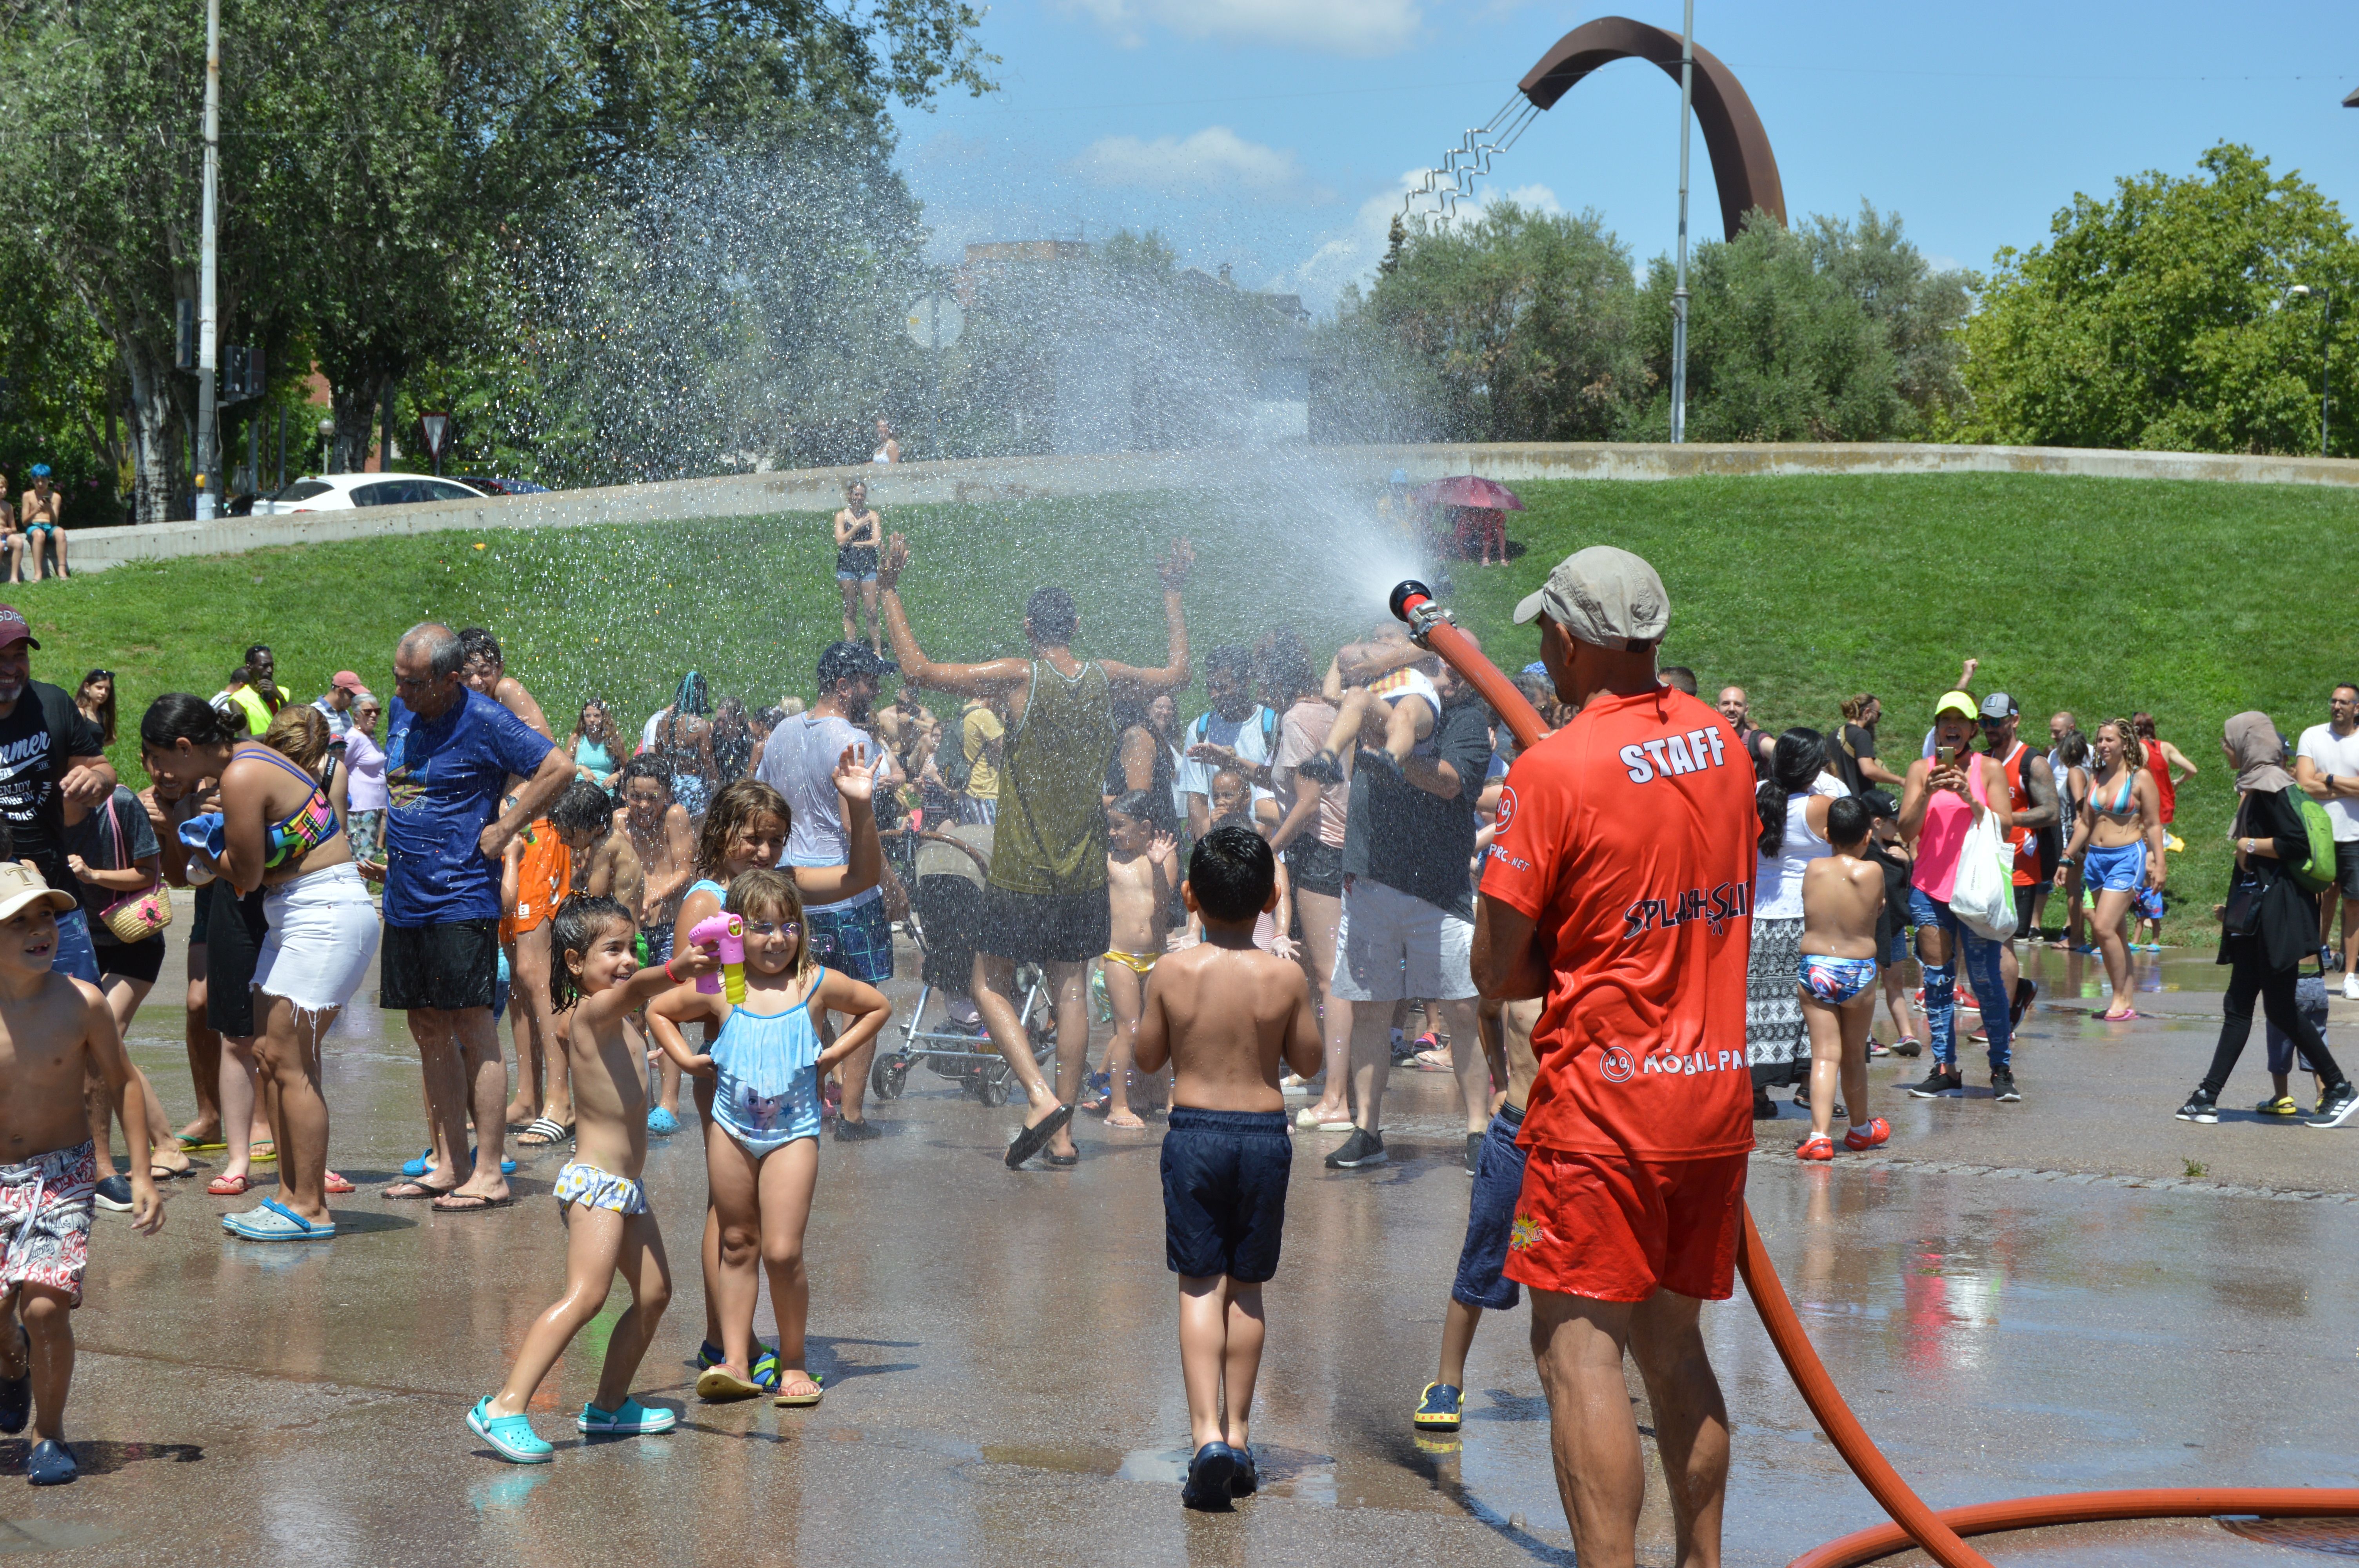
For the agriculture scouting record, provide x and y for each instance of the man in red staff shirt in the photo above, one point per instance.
(1620, 890)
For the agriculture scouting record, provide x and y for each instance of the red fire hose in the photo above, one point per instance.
(1914, 1522)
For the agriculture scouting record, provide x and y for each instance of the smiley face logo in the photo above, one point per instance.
(1616, 1064)
(1506, 806)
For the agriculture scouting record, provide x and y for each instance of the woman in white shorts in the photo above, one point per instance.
(281, 828)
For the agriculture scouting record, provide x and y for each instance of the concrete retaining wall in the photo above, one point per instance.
(1008, 480)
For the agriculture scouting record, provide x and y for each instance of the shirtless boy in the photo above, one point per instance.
(1142, 868)
(665, 842)
(606, 866)
(53, 1031)
(1482, 1283)
(1843, 893)
(1227, 1017)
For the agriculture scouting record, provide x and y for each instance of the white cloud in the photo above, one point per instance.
(1349, 254)
(1357, 27)
(1214, 160)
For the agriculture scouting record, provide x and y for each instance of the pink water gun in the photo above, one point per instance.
(725, 933)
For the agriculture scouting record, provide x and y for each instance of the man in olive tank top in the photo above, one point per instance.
(1045, 900)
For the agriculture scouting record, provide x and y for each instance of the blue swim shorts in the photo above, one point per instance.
(1482, 1279)
(1224, 1176)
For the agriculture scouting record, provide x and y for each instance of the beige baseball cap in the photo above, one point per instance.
(1606, 597)
(22, 887)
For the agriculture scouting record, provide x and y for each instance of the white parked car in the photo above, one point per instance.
(343, 491)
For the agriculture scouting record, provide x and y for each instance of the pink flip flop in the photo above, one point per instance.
(2117, 1017)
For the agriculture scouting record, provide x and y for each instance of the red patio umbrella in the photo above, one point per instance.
(1468, 490)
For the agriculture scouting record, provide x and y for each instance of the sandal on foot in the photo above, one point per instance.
(411, 1191)
(1032, 1140)
(2123, 1017)
(416, 1168)
(262, 1153)
(798, 1401)
(194, 1146)
(720, 1386)
(1326, 768)
(544, 1135)
(228, 1186)
(166, 1174)
(469, 1203)
(274, 1221)
(630, 1419)
(511, 1436)
(340, 1184)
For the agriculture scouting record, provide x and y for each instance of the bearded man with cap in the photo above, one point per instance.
(1619, 890)
(49, 754)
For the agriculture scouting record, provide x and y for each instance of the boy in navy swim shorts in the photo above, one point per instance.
(1227, 1016)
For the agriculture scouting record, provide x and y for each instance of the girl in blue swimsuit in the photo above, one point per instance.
(765, 1063)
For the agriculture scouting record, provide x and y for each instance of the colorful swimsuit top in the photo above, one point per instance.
(2124, 802)
(312, 824)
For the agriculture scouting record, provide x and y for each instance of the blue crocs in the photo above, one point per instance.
(633, 1419)
(52, 1464)
(1209, 1475)
(1247, 1481)
(274, 1221)
(511, 1436)
(413, 1168)
(661, 1123)
(1439, 1407)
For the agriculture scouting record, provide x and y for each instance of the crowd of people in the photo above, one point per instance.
(1328, 874)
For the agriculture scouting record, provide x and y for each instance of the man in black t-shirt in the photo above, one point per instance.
(1408, 900)
(48, 753)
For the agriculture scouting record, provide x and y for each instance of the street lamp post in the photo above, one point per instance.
(209, 273)
(1679, 294)
(2325, 353)
(327, 433)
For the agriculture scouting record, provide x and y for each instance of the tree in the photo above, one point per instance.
(1515, 327)
(1780, 347)
(2158, 320)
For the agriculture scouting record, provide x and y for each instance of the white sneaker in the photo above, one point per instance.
(2351, 986)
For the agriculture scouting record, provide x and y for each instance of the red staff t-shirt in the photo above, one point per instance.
(1629, 837)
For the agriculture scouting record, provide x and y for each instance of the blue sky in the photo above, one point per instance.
(1275, 135)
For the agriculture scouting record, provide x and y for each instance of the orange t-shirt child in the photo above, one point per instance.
(1628, 838)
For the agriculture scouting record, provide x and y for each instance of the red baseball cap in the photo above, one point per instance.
(345, 680)
(13, 628)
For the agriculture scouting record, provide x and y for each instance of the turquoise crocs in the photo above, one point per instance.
(633, 1419)
(511, 1436)
(661, 1123)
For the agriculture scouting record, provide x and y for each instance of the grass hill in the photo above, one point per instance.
(2189, 600)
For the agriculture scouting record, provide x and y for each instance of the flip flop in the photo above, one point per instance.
(1032, 1140)
(413, 1168)
(274, 1221)
(469, 1203)
(162, 1173)
(340, 1184)
(228, 1186)
(262, 1153)
(189, 1146)
(416, 1190)
(2117, 1017)
(544, 1133)
(1063, 1161)
(720, 1386)
(800, 1402)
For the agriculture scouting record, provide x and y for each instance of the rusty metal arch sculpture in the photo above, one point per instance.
(1743, 166)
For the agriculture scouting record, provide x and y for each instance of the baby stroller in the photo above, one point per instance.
(944, 916)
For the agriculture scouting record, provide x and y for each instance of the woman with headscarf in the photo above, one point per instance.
(2269, 926)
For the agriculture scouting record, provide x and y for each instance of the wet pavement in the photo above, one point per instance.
(999, 1348)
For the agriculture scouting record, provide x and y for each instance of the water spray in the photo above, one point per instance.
(1938, 1533)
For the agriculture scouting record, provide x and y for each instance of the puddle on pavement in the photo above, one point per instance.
(1285, 1472)
(51, 1535)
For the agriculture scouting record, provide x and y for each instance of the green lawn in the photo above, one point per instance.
(2189, 600)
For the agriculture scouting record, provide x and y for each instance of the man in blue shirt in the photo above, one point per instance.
(447, 752)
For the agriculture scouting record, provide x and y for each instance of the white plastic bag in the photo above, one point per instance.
(1984, 894)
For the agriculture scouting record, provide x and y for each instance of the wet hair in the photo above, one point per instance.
(693, 696)
(737, 804)
(1050, 614)
(1284, 664)
(300, 735)
(444, 655)
(582, 721)
(1138, 805)
(2133, 749)
(1848, 821)
(768, 890)
(1800, 756)
(1231, 872)
(178, 715)
(579, 921)
(1229, 659)
(645, 768)
(106, 708)
(582, 808)
(1227, 773)
(2142, 725)
(1678, 677)
(2073, 749)
(475, 643)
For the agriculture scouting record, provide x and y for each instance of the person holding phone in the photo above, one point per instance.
(854, 936)
(1943, 795)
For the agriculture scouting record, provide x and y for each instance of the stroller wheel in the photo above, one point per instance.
(889, 1076)
(991, 1084)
